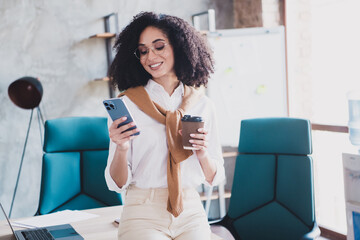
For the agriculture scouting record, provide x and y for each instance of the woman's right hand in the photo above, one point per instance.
(120, 136)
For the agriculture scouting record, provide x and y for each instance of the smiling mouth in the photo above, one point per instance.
(155, 66)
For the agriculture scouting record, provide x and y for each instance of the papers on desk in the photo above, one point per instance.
(57, 218)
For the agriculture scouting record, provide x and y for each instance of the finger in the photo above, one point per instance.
(124, 137)
(203, 130)
(180, 132)
(122, 132)
(130, 132)
(113, 132)
(199, 142)
(199, 147)
(116, 123)
(126, 127)
(200, 136)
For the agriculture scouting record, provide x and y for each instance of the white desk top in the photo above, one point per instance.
(99, 228)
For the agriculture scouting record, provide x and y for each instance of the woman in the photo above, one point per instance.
(159, 61)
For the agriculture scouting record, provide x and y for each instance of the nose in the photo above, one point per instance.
(151, 54)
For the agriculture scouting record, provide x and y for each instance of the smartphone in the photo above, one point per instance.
(116, 108)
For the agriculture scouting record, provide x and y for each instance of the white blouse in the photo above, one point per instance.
(148, 153)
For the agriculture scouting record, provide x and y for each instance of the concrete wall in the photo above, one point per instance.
(49, 40)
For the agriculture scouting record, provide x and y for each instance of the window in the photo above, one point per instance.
(323, 42)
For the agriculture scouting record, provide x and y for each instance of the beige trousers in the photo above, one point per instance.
(145, 217)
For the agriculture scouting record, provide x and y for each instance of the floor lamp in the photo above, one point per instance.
(26, 93)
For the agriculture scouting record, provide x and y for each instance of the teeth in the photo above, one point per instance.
(155, 65)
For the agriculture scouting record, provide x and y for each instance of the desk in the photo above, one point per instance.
(99, 228)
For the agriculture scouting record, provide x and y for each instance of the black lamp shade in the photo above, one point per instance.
(26, 92)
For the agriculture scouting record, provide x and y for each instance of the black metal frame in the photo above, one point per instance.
(109, 56)
(40, 118)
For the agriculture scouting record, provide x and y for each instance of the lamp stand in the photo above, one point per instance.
(23, 153)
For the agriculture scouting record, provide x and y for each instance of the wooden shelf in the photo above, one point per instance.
(103, 35)
(215, 195)
(106, 79)
(230, 154)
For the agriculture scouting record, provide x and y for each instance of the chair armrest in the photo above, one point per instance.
(313, 234)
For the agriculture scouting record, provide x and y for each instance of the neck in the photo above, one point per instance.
(169, 84)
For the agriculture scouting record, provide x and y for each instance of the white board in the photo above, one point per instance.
(249, 79)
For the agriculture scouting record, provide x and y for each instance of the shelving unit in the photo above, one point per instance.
(103, 35)
(108, 35)
(214, 195)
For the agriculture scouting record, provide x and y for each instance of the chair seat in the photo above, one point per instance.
(81, 202)
(222, 232)
(275, 222)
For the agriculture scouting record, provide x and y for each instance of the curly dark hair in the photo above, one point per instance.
(193, 57)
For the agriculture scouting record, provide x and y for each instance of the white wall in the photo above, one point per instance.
(49, 40)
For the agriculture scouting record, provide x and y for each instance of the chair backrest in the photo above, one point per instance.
(272, 194)
(74, 160)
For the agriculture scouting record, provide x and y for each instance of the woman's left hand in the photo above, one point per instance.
(200, 142)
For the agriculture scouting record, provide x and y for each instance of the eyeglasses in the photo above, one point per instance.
(142, 51)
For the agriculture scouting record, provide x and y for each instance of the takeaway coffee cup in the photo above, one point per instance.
(190, 124)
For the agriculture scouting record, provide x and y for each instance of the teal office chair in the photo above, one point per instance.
(272, 194)
(74, 160)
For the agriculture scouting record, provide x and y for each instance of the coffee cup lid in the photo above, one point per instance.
(189, 118)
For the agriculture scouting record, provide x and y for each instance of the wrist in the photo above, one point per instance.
(202, 155)
(122, 149)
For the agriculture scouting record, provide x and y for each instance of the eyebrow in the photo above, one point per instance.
(156, 40)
